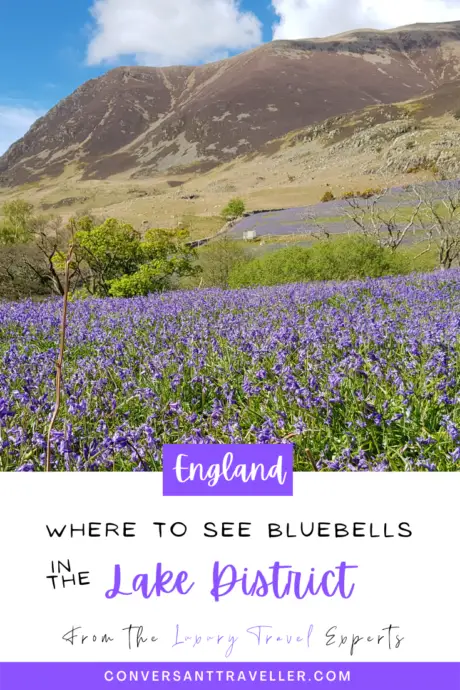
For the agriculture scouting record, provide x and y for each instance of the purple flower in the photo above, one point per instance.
(364, 375)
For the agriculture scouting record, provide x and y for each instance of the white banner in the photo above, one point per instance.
(386, 592)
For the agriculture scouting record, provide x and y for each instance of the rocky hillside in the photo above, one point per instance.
(140, 121)
(421, 134)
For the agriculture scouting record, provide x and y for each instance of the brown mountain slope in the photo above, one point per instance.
(379, 145)
(141, 121)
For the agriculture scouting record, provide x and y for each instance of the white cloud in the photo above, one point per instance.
(15, 120)
(167, 32)
(316, 18)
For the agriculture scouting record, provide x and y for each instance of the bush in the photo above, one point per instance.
(370, 192)
(354, 257)
(289, 265)
(234, 209)
(149, 278)
(346, 258)
(366, 194)
(217, 260)
(327, 196)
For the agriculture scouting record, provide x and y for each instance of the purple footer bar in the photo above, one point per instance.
(356, 675)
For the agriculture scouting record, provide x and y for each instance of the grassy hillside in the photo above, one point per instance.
(381, 145)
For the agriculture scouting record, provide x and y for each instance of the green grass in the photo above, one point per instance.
(28, 185)
(422, 257)
(202, 226)
(332, 219)
(282, 240)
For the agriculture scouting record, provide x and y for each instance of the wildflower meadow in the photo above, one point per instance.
(359, 376)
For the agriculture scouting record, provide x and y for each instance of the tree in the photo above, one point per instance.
(164, 256)
(50, 240)
(389, 225)
(16, 226)
(430, 213)
(105, 253)
(19, 277)
(218, 259)
(440, 219)
(30, 247)
(234, 209)
(314, 227)
(108, 258)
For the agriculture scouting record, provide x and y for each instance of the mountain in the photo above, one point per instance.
(141, 121)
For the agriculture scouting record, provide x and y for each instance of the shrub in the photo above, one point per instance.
(346, 258)
(217, 260)
(327, 196)
(354, 257)
(149, 278)
(370, 192)
(288, 265)
(366, 194)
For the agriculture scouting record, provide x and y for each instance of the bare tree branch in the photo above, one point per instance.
(60, 359)
(440, 220)
(384, 226)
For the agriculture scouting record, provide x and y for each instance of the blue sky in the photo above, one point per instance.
(49, 60)
(50, 47)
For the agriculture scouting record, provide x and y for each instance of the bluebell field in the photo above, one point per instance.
(360, 376)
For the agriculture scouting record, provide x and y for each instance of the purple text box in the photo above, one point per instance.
(228, 470)
(354, 676)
